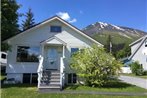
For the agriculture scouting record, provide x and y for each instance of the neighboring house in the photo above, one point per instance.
(52, 42)
(3, 60)
(125, 68)
(139, 51)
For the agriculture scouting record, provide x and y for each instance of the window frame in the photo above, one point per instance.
(56, 31)
(72, 78)
(26, 45)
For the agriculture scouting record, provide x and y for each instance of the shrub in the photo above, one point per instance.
(145, 72)
(136, 68)
(95, 66)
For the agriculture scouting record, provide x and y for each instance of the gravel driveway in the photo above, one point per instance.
(135, 81)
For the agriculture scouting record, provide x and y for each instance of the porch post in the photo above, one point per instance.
(63, 51)
(42, 50)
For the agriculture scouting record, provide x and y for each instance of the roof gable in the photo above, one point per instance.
(61, 20)
(142, 41)
(53, 40)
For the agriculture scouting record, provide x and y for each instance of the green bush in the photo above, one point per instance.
(95, 66)
(145, 72)
(136, 68)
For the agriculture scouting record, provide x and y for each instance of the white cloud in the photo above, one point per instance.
(73, 20)
(65, 16)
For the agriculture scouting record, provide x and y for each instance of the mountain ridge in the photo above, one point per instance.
(101, 30)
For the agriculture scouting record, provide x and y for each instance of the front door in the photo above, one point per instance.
(52, 58)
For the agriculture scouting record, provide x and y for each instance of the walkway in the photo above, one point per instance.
(97, 93)
(135, 81)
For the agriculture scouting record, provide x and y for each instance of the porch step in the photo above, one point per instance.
(50, 80)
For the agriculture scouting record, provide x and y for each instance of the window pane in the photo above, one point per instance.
(145, 43)
(34, 78)
(26, 78)
(69, 78)
(74, 78)
(27, 54)
(3, 56)
(73, 50)
(55, 29)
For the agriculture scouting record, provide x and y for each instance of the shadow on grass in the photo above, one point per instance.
(72, 87)
(117, 84)
(112, 84)
(17, 85)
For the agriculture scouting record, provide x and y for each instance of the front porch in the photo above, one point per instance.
(51, 74)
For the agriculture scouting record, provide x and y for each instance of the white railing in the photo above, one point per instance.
(62, 74)
(40, 70)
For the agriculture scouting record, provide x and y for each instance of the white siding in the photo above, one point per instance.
(134, 47)
(139, 56)
(34, 37)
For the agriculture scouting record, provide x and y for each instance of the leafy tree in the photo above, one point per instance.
(9, 18)
(29, 22)
(136, 68)
(125, 52)
(94, 65)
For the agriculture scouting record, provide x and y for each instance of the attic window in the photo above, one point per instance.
(55, 29)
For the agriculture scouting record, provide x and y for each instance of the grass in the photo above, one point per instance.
(30, 91)
(111, 87)
(2, 77)
(132, 75)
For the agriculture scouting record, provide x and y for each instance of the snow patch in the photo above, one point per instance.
(118, 27)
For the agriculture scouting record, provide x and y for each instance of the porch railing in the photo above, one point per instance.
(62, 74)
(40, 70)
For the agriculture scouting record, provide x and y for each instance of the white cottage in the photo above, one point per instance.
(139, 51)
(52, 41)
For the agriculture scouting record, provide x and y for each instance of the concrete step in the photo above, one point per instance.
(49, 84)
(48, 90)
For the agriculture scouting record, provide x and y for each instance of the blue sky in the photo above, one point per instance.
(80, 13)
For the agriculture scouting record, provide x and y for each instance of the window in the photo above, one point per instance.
(3, 56)
(27, 54)
(55, 29)
(73, 50)
(146, 43)
(72, 78)
(26, 78)
(30, 78)
(34, 78)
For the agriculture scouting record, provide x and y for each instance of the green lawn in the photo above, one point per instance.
(111, 87)
(132, 75)
(30, 91)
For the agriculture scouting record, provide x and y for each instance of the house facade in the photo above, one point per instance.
(42, 53)
(139, 51)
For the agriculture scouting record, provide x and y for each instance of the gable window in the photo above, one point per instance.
(55, 29)
(27, 54)
(74, 50)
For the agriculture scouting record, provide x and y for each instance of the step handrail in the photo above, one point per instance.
(62, 74)
(40, 70)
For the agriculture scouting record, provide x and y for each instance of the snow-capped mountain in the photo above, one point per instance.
(101, 27)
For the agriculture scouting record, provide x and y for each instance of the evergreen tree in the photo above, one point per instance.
(29, 22)
(9, 19)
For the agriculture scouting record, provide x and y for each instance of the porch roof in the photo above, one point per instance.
(53, 40)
